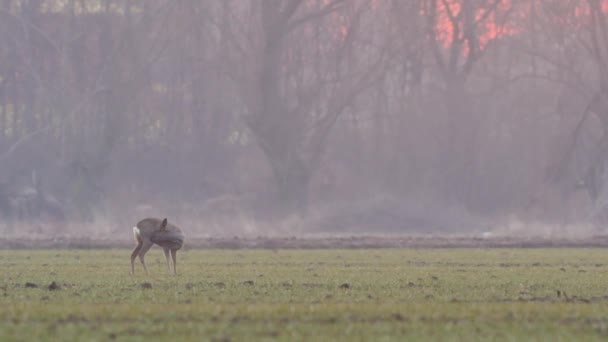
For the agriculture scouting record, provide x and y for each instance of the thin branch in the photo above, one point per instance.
(432, 36)
(327, 9)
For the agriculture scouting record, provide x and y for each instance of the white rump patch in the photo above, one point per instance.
(136, 233)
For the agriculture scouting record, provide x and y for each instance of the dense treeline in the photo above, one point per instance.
(358, 114)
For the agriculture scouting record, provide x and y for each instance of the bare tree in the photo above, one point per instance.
(306, 74)
(458, 39)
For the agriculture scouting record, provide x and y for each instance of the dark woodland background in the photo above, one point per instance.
(304, 116)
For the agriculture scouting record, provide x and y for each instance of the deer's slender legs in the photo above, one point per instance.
(144, 249)
(166, 250)
(174, 256)
(134, 255)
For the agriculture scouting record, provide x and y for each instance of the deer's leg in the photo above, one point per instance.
(174, 257)
(142, 253)
(166, 250)
(134, 255)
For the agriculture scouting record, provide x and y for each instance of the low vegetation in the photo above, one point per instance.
(425, 294)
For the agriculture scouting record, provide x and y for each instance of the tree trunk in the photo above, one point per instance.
(292, 178)
(459, 157)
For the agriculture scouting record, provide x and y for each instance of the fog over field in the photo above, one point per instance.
(304, 117)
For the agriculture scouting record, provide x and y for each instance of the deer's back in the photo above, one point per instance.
(172, 237)
(148, 226)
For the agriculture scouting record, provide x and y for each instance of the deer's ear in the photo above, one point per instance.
(163, 224)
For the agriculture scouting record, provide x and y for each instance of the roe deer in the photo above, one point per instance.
(151, 231)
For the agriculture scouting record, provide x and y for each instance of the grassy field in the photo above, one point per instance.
(375, 295)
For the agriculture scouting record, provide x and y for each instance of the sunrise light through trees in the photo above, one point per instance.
(454, 125)
(267, 109)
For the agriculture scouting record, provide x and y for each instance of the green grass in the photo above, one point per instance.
(460, 294)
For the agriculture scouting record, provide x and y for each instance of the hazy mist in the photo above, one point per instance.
(295, 117)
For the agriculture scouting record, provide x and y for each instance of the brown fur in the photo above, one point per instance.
(150, 231)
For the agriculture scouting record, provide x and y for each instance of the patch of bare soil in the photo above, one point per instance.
(322, 242)
(54, 286)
